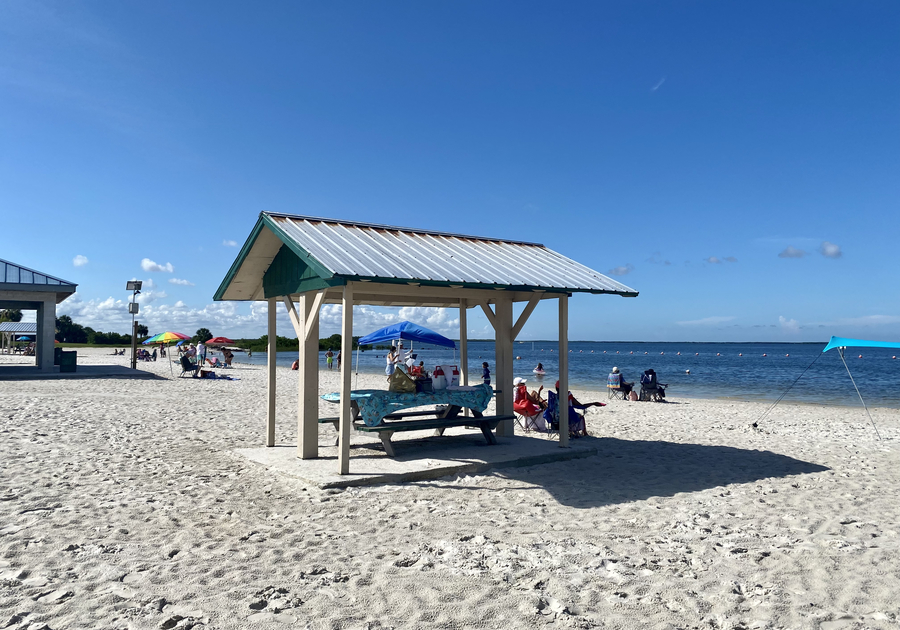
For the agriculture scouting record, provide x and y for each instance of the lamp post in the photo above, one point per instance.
(135, 287)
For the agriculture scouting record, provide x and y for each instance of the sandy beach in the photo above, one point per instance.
(123, 505)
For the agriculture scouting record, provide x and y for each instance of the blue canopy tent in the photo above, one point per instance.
(407, 331)
(840, 343)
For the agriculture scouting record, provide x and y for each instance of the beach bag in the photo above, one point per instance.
(401, 383)
(632, 395)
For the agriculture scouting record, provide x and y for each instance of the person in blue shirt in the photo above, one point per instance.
(486, 373)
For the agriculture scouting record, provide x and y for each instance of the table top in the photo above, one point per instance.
(375, 404)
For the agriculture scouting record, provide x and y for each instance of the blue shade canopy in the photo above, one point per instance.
(409, 332)
(842, 342)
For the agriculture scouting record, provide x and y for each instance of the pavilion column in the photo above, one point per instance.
(503, 349)
(46, 333)
(346, 374)
(308, 381)
(564, 370)
(463, 343)
(271, 374)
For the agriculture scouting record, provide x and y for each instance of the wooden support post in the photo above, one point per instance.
(271, 378)
(463, 342)
(346, 374)
(503, 318)
(308, 377)
(564, 370)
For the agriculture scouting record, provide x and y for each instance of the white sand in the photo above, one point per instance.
(122, 505)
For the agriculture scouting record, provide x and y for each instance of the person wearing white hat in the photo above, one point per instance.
(527, 403)
(616, 380)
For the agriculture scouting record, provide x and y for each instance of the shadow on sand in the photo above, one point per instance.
(624, 471)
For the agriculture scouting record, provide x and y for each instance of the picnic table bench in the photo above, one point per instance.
(382, 413)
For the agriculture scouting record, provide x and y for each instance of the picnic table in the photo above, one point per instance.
(372, 405)
(375, 406)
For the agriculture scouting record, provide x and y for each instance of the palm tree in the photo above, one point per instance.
(11, 315)
(142, 331)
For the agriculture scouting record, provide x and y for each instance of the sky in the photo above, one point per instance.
(736, 163)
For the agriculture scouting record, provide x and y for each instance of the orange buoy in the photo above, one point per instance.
(696, 354)
(740, 354)
(787, 355)
(764, 354)
(718, 354)
(632, 352)
(860, 356)
(678, 353)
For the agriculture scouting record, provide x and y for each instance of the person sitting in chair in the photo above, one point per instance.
(616, 380)
(525, 402)
(577, 425)
(651, 388)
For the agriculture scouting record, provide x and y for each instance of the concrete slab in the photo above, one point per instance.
(30, 372)
(458, 451)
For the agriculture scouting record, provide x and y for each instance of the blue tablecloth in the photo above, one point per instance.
(375, 404)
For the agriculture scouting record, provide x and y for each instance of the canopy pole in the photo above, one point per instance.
(841, 351)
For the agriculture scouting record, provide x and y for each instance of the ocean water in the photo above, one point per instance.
(751, 371)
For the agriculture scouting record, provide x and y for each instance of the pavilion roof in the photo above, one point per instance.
(288, 254)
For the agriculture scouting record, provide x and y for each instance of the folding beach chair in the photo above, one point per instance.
(551, 415)
(188, 367)
(614, 387)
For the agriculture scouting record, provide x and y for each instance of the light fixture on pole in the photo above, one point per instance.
(135, 287)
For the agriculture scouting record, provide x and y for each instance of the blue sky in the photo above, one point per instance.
(737, 164)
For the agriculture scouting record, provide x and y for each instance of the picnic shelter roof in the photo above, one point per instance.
(289, 254)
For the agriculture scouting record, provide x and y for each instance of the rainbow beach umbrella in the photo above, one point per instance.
(167, 337)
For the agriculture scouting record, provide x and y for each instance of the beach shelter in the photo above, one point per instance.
(26, 289)
(305, 262)
(841, 343)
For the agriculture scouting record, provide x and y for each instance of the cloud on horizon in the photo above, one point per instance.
(622, 270)
(788, 325)
(708, 321)
(149, 265)
(180, 282)
(80, 261)
(792, 252)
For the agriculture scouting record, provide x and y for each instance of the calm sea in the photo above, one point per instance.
(752, 371)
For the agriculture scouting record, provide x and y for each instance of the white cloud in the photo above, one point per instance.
(149, 265)
(830, 250)
(621, 270)
(228, 243)
(658, 85)
(708, 321)
(788, 325)
(148, 297)
(792, 252)
(714, 260)
(180, 282)
(80, 261)
(730, 259)
(179, 304)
